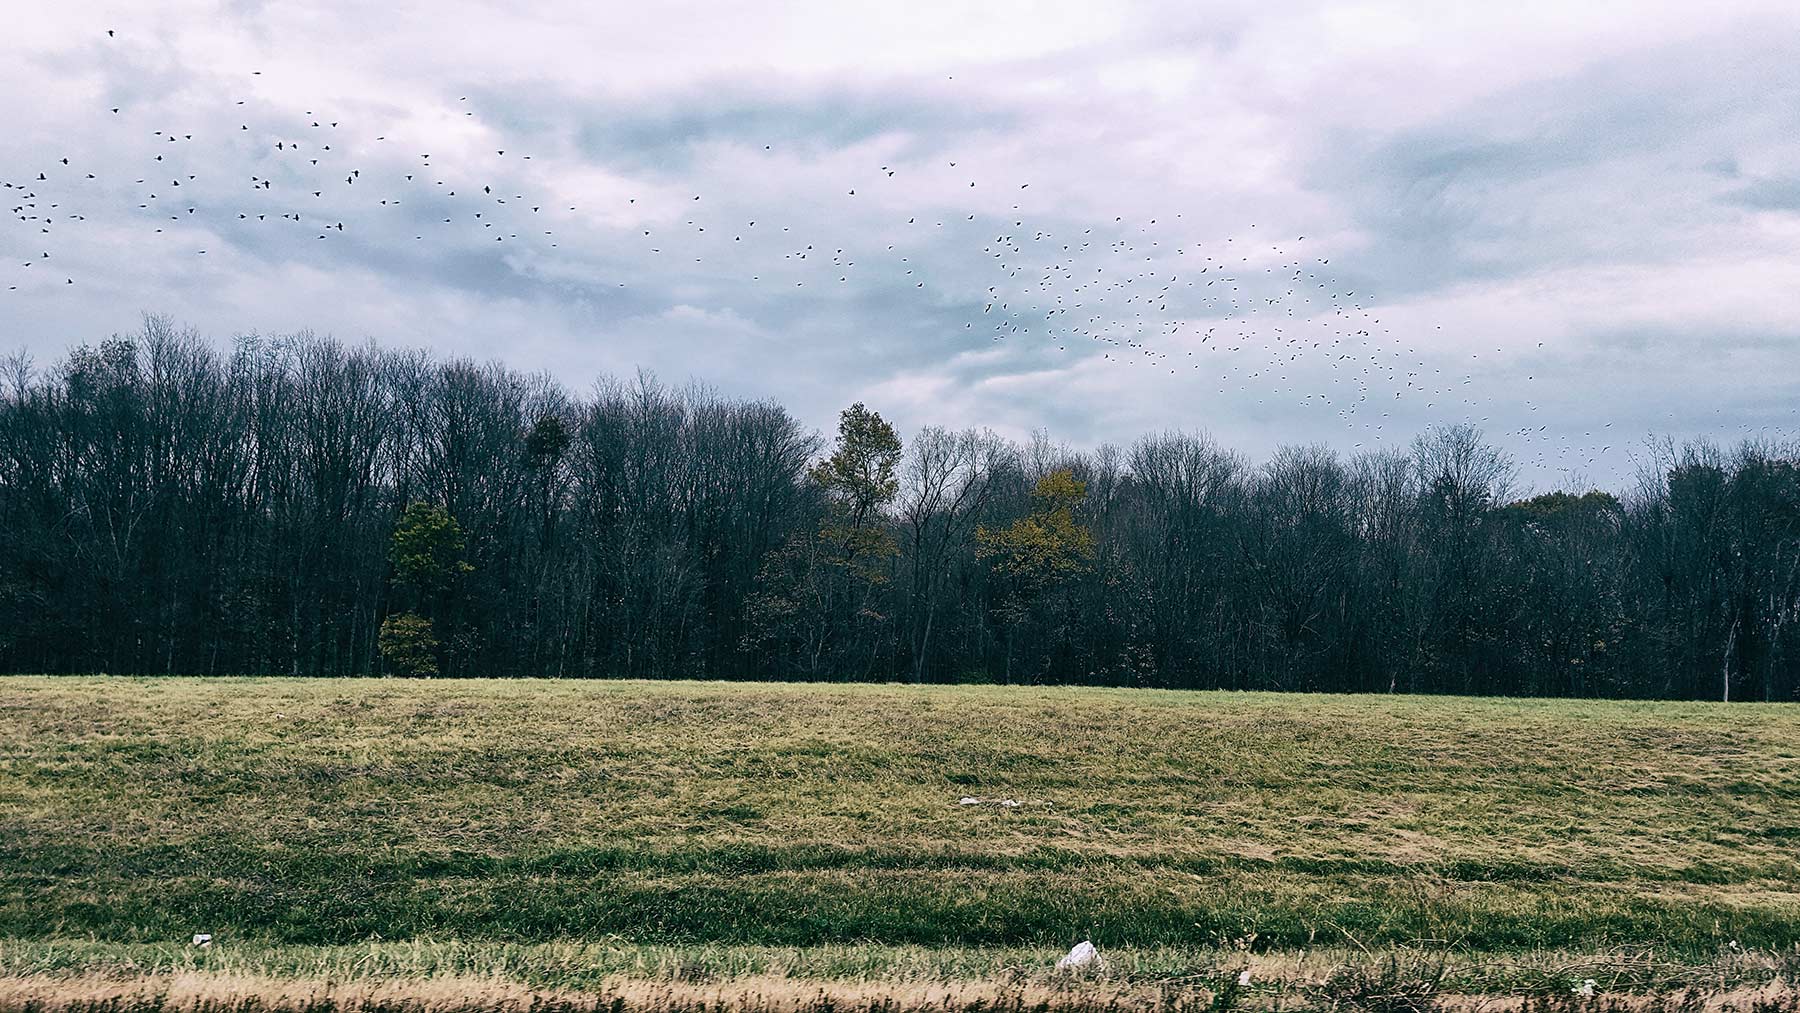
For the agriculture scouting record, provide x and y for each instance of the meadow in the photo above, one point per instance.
(573, 835)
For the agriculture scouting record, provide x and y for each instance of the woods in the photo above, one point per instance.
(303, 507)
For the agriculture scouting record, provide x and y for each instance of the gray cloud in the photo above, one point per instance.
(1768, 195)
(670, 134)
(1505, 211)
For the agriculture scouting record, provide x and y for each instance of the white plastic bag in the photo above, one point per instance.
(1083, 955)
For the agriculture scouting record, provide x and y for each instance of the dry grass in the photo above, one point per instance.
(195, 993)
(663, 831)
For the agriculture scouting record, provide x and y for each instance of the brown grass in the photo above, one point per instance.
(199, 993)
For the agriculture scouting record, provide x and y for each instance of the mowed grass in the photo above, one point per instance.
(682, 815)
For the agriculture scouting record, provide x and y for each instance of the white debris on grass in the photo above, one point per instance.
(1083, 955)
(203, 939)
(1244, 977)
(1586, 988)
(972, 800)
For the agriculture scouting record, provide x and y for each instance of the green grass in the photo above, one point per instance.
(737, 818)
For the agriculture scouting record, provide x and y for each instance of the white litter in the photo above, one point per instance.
(1244, 977)
(1586, 988)
(1082, 955)
(203, 939)
(969, 800)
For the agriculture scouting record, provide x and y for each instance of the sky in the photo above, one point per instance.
(1576, 226)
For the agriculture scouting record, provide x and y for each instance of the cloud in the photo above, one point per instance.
(1505, 208)
(1768, 195)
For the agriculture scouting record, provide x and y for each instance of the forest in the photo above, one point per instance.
(300, 506)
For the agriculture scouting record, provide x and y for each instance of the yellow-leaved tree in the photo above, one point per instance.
(1035, 555)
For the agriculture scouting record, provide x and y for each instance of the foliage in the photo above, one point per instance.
(409, 645)
(1553, 506)
(427, 550)
(816, 600)
(1047, 544)
(860, 471)
(858, 479)
(548, 441)
(1035, 555)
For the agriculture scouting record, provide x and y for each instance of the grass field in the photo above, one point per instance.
(564, 834)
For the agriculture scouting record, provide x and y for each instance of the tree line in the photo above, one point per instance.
(299, 506)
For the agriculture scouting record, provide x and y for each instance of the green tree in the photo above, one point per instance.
(859, 478)
(409, 645)
(819, 598)
(427, 553)
(427, 549)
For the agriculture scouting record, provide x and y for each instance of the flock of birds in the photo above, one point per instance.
(1264, 316)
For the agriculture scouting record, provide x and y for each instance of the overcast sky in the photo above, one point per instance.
(1574, 224)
